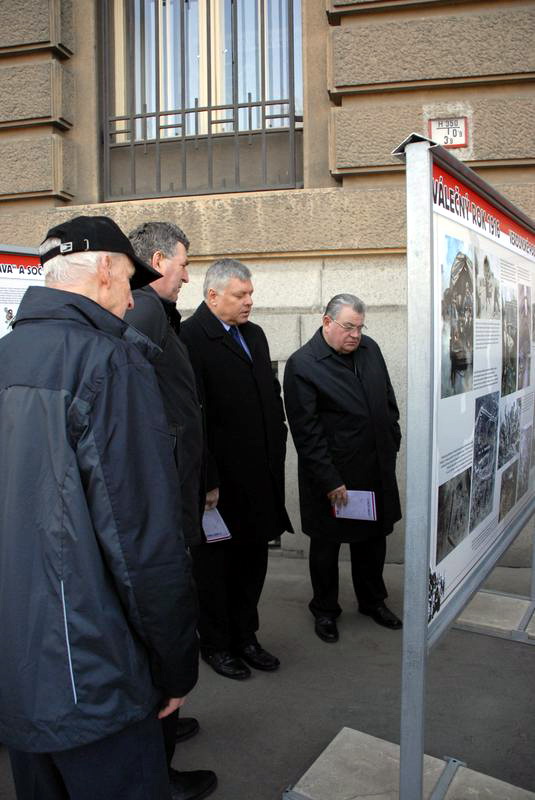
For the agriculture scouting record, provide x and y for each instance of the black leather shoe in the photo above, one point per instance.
(192, 785)
(224, 663)
(255, 655)
(383, 616)
(326, 629)
(186, 728)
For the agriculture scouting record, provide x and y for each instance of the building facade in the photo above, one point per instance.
(265, 129)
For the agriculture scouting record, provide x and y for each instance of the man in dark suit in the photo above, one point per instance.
(165, 247)
(246, 438)
(344, 421)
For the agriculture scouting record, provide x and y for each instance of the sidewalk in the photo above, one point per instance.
(262, 734)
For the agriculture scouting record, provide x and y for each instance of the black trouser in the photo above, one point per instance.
(169, 729)
(128, 765)
(229, 577)
(367, 562)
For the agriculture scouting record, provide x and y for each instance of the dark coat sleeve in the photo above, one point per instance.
(190, 334)
(300, 398)
(125, 456)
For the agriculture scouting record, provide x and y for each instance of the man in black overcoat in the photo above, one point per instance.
(343, 417)
(246, 439)
(165, 247)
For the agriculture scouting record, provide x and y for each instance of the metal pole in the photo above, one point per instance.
(420, 352)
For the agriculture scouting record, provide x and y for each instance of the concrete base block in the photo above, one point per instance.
(493, 613)
(362, 767)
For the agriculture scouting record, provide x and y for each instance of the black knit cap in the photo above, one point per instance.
(98, 233)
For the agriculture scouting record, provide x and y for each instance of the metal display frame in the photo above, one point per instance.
(19, 251)
(420, 154)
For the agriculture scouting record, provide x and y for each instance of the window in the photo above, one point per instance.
(201, 96)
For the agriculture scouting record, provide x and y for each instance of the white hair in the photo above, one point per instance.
(70, 268)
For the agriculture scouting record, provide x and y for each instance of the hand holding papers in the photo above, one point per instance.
(214, 526)
(360, 505)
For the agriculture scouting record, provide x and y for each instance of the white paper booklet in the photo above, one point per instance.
(360, 505)
(214, 526)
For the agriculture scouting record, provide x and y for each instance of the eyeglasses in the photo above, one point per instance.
(348, 327)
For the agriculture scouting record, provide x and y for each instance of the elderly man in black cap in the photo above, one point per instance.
(96, 599)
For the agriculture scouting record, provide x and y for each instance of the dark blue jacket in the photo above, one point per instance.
(97, 614)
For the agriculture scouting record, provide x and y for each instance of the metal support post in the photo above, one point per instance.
(419, 448)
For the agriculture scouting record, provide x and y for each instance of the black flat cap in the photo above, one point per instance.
(98, 233)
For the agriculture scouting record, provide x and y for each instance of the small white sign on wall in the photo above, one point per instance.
(449, 131)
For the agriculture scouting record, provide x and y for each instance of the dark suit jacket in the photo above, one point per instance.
(246, 432)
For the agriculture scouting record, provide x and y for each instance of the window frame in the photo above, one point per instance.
(161, 120)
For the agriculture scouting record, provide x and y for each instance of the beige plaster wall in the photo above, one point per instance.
(35, 92)
(316, 103)
(36, 24)
(463, 45)
(500, 125)
(47, 161)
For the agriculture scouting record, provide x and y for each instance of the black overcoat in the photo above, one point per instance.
(344, 421)
(160, 321)
(245, 427)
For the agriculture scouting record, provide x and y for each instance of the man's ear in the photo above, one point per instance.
(104, 270)
(211, 295)
(157, 257)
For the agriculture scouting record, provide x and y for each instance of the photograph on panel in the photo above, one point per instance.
(457, 270)
(484, 461)
(524, 461)
(453, 513)
(509, 430)
(509, 337)
(508, 489)
(524, 336)
(487, 286)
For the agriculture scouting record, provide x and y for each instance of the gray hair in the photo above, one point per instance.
(71, 267)
(221, 271)
(335, 304)
(152, 236)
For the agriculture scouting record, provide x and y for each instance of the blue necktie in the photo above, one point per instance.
(236, 336)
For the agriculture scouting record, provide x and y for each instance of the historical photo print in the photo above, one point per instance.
(453, 508)
(487, 287)
(524, 462)
(508, 489)
(509, 430)
(509, 337)
(524, 336)
(484, 461)
(457, 317)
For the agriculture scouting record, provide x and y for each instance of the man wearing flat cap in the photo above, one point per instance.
(96, 602)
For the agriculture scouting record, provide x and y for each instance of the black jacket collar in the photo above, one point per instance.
(171, 311)
(213, 327)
